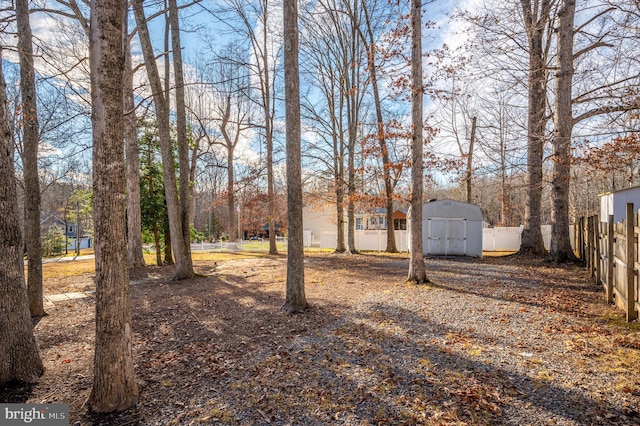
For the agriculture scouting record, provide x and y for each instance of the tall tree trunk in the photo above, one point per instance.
(536, 21)
(31, 137)
(233, 223)
(181, 126)
(19, 357)
(382, 141)
(560, 250)
(340, 247)
(469, 173)
(267, 102)
(134, 216)
(417, 273)
(296, 300)
(114, 386)
(184, 265)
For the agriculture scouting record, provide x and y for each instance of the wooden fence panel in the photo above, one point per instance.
(611, 252)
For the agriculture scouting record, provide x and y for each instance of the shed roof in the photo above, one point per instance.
(451, 209)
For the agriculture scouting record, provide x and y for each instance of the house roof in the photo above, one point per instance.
(50, 217)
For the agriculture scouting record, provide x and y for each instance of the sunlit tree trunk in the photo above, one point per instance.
(19, 357)
(382, 141)
(184, 265)
(417, 273)
(181, 127)
(469, 171)
(114, 387)
(134, 219)
(30, 139)
(295, 296)
(536, 20)
(560, 250)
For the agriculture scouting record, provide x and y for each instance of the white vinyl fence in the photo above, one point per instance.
(493, 239)
(374, 240)
(509, 238)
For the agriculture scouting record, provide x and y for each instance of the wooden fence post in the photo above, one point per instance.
(596, 235)
(590, 245)
(631, 264)
(610, 260)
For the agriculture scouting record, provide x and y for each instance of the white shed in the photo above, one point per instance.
(451, 228)
(615, 203)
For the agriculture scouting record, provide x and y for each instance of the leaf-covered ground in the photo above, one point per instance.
(488, 342)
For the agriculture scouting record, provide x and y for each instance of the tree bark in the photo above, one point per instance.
(134, 216)
(30, 139)
(536, 21)
(267, 105)
(114, 386)
(382, 141)
(469, 171)
(19, 357)
(417, 273)
(184, 265)
(560, 250)
(181, 127)
(295, 295)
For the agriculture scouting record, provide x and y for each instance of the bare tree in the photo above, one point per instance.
(296, 300)
(186, 194)
(30, 140)
(134, 220)
(114, 386)
(19, 358)
(184, 265)
(600, 97)
(537, 21)
(370, 45)
(417, 273)
(560, 250)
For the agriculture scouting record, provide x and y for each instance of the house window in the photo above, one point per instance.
(359, 223)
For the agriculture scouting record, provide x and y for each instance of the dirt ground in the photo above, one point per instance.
(489, 341)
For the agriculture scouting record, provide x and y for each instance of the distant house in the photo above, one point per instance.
(376, 218)
(50, 219)
(320, 227)
(615, 203)
(69, 230)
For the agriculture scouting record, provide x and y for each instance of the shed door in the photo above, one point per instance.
(446, 237)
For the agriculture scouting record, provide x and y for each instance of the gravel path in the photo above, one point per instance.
(488, 342)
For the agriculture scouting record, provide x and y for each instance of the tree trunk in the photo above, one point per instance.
(156, 242)
(168, 258)
(340, 248)
(560, 250)
(134, 219)
(19, 357)
(384, 150)
(114, 386)
(536, 21)
(469, 174)
(295, 296)
(268, 129)
(233, 223)
(181, 126)
(184, 265)
(31, 138)
(417, 273)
